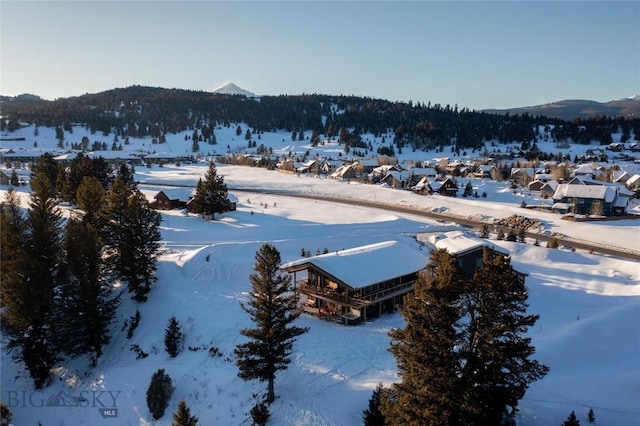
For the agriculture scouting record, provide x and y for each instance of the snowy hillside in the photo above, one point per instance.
(589, 305)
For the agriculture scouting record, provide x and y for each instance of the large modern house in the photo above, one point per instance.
(349, 286)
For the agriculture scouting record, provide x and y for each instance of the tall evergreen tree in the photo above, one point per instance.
(44, 273)
(91, 198)
(46, 164)
(126, 175)
(462, 356)
(14, 315)
(141, 238)
(117, 202)
(425, 352)
(132, 235)
(183, 417)
(272, 307)
(88, 302)
(211, 194)
(497, 368)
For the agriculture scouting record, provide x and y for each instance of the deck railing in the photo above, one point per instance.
(334, 295)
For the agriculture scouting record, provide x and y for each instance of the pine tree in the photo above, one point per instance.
(126, 175)
(91, 198)
(46, 165)
(496, 369)
(425, 349)
(172, 337)
(132, 236)
(211, 194)
(591, 416)
(88, 302)
(43, 274)
(272, 307)
(511, 236)
(462, 356)
(117, 202)
(183, 417)
(159, 393)
(372, 416)
(572, 420)
(141, 232)
(14, 315)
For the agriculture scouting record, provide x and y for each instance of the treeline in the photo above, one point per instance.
(139, 111)
(60, 276)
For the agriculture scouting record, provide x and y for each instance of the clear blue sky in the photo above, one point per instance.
(476, 54)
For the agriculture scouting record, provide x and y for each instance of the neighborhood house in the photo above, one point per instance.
(349, 286)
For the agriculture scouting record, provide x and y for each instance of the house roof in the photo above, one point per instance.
(342, 170)
(399, 176)
(365, 265)
(460, 242)
(183, 194)
(633, 179)
(423, 183)
(598, 192)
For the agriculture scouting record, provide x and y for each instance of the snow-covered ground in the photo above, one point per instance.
(588, 332)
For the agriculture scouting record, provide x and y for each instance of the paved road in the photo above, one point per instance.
(467, 222)
(447, 217)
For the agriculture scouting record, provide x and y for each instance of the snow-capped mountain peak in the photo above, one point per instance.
(231, 89)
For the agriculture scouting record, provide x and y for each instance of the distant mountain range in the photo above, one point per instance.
(568, 109)
(571, 109)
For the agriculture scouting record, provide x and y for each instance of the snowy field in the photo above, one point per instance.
(588, 332)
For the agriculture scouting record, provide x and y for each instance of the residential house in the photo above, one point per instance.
(286, 166)
(313, 167)
(378, 173)
(484, 171)
(396, 179)
(364, 167)
(232, 202)
(353, 285)
(601, 200)
(522, 175)
(468, 249)
(584, 180)
(429, 172)
(536, 185)
(330, 166)
(548, 189)
(346, 171)
(445, 187)
(587, 170)
(620, 176)
(633, 183)
(171, 198)
(423, 187)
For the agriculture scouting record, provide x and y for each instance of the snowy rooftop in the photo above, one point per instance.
(366, 265)
(601, 192)
(457, 242)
